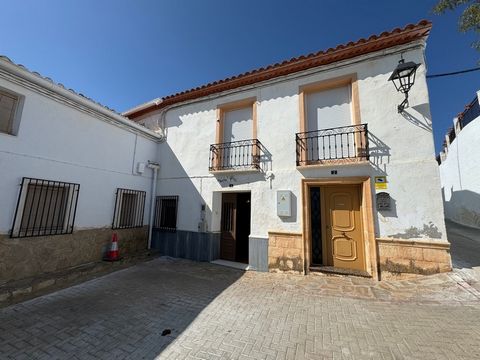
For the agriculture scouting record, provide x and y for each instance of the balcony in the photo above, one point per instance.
(471, 112)
(244, 155)
(347, 144)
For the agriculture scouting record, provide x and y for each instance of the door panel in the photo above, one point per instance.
(343, 229)
(343, 217)
(228, 227)
(344, 248)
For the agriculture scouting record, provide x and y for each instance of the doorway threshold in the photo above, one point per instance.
(231, 264)
(339, 271)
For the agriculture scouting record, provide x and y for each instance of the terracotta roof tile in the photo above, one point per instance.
(386, 39)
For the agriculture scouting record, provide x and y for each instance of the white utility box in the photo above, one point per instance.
(141, 167)
(284, 203)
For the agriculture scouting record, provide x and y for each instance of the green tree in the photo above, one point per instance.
(470, 18)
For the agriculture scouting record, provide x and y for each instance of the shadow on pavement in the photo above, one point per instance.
(465, 245)
(133, 313)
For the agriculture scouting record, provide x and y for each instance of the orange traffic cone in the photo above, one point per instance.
(113, 254)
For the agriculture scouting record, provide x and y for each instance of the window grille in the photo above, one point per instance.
(166, 208)
(129, 209)
(45, 207)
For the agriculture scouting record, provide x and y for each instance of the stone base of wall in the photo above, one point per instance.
(285, 252)
(401, 259)
(28, 257)
(187, 244)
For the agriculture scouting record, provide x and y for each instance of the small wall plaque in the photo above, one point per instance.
(383, 201)
(380, 182)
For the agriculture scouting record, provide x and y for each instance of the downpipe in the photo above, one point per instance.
(155, 167)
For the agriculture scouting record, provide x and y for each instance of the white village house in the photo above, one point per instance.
(62, 159)
(460, 167)
(301, 166)
(279, 164)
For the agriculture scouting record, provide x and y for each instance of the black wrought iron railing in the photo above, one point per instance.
(237, 155)
(471, 112)
(325, 145)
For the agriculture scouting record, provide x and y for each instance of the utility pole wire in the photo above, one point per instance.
(453, 73)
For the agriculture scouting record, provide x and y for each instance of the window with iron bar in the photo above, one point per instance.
(129, 209)
(45, 207)
(166, 209)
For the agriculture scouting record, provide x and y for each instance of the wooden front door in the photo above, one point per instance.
(228, 239)
(345, 245)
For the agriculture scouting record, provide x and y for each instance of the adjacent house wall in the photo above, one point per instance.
(460, 176)
(401, 148)
(58, 140)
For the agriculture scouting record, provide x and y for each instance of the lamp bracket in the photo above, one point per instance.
(403, 105)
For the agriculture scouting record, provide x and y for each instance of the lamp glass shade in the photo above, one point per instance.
(403, 77)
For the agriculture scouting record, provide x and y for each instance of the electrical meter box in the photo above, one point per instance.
(284, 203)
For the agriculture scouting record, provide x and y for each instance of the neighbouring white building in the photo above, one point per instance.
(301, 166)
(62, 159)
(306, 165)
(460, 167)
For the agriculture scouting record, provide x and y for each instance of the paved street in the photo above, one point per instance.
(177, 309)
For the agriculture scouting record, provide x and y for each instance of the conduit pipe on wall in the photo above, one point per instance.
(155, 167)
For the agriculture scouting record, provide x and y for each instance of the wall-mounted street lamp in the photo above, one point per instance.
(403, 77)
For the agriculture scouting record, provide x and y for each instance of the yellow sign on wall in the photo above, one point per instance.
(380, 182)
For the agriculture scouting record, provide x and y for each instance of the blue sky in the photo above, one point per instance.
(125, 52)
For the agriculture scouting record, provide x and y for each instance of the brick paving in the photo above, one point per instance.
(220, 313)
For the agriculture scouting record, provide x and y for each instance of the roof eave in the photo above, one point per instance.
(386, 40)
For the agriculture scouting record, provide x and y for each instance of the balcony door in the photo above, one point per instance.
(236, 136)
(328, 111)
(330, 108)
(238, 124)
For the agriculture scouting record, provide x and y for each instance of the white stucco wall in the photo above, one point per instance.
(59, 142)
(401, 147)
(460, 177)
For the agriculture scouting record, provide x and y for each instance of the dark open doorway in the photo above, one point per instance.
(315, 223)
(235, 226)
